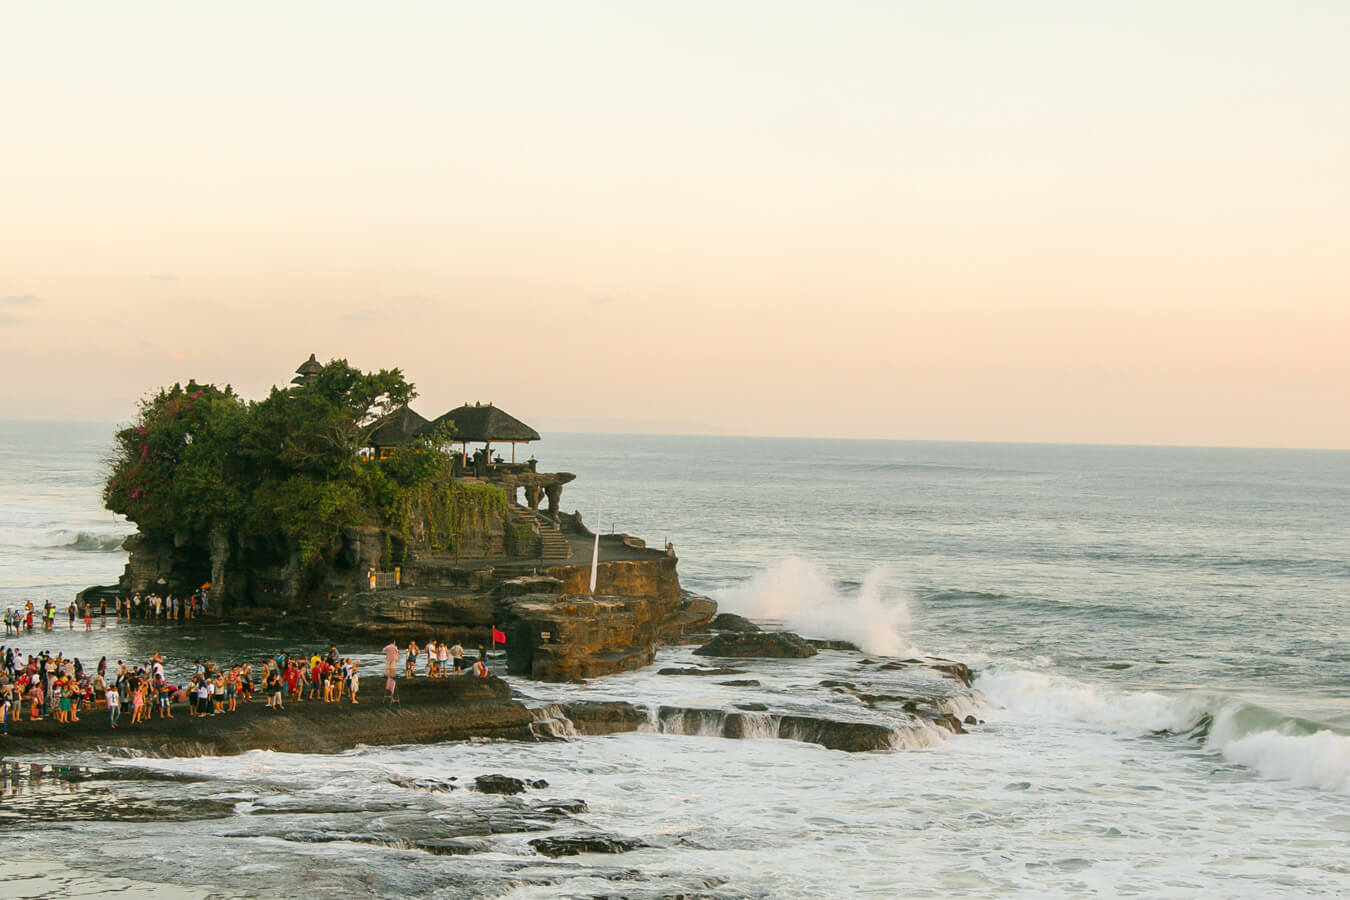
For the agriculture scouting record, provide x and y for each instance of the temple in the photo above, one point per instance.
(484, 544)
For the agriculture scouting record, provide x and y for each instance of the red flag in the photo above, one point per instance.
(498, 636)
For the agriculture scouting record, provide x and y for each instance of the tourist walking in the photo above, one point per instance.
(114, 705)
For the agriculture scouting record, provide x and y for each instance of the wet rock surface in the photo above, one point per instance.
(505, 784)
(820, 644)
(732, 622)
(592, 843)
(763, 644)
(694, 670)
(428, 710)
(954, 670)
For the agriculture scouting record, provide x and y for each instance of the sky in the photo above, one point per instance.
(1050, 220)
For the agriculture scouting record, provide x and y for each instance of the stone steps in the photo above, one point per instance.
(553, 546)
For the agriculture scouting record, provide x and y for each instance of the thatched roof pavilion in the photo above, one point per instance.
(480, 424)
(487, 425)
(398, 429)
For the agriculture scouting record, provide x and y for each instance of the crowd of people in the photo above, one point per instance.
(34, 688)
(442, 660)
(60, 687)
(148, 608)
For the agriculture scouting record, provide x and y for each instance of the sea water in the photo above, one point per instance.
(1160, 637)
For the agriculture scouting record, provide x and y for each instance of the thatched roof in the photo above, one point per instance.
(486, 424)
(400, 427)
(309, 370)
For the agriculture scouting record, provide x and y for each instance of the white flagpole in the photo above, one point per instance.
(595, 554)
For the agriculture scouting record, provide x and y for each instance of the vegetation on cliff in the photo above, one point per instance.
(285, 471)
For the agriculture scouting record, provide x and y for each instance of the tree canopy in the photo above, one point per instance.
(287, 468)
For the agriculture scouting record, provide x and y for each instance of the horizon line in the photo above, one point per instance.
(798, 437)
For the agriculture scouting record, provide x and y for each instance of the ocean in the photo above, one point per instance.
(1161, 638)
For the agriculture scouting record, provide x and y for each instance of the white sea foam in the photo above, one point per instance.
(806, 600)
(1279, 748)
(94, 539)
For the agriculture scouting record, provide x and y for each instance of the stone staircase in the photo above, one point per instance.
(553, 545)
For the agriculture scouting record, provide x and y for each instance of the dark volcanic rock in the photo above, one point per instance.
(854, 737)
(561, 807)
(505, 784)
(960, 671)
(452, 846)
(689, 670)
(741, 682)
(593, 843)
(769, 644)
(596, 717)
(752, 707)
(733, 622)
(834, 645)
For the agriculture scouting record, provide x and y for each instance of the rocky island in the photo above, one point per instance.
(332, 507)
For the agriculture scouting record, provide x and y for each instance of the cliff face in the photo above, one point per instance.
(650, 577)
(455, 582)
(253, 578)
(554, 637)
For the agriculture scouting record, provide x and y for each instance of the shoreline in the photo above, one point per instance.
(443, 709)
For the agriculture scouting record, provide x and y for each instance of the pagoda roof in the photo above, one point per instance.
(402, 426)
(486, 424)
(308, 370)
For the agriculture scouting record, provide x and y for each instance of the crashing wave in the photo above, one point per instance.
(801, 596)
(38, 538)
(95, 543)
(1285, 748)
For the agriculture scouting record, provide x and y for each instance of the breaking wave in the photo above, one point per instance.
(1283, 748)
(61, 539)
(801, 596)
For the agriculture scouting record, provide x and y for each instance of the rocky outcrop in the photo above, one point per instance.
(732, 622)
(690, 670)
(505, 784)
(822, 644)
(417, 614)
(765, 644)
(597, 717)
(568, 636)
(954, 670)
(571, 845)
(835, 734)
(653, 575)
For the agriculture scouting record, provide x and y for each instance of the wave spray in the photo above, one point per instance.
(801, 596)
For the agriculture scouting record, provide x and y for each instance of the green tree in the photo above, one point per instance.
(287, 468)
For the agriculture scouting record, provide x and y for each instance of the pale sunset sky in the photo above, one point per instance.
(1051, 220)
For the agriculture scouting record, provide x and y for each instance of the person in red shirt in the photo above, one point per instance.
(292, 680)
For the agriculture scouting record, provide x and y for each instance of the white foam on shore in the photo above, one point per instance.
(1279, 748)
(801, 596)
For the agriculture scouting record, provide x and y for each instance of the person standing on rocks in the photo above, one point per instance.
(457, 655)
(390, 658)
(411, 668)
(114, 701)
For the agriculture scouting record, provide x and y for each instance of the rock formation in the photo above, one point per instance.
(768, 644)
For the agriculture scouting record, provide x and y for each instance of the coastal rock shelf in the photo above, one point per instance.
(428, 710)
(451, 709)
